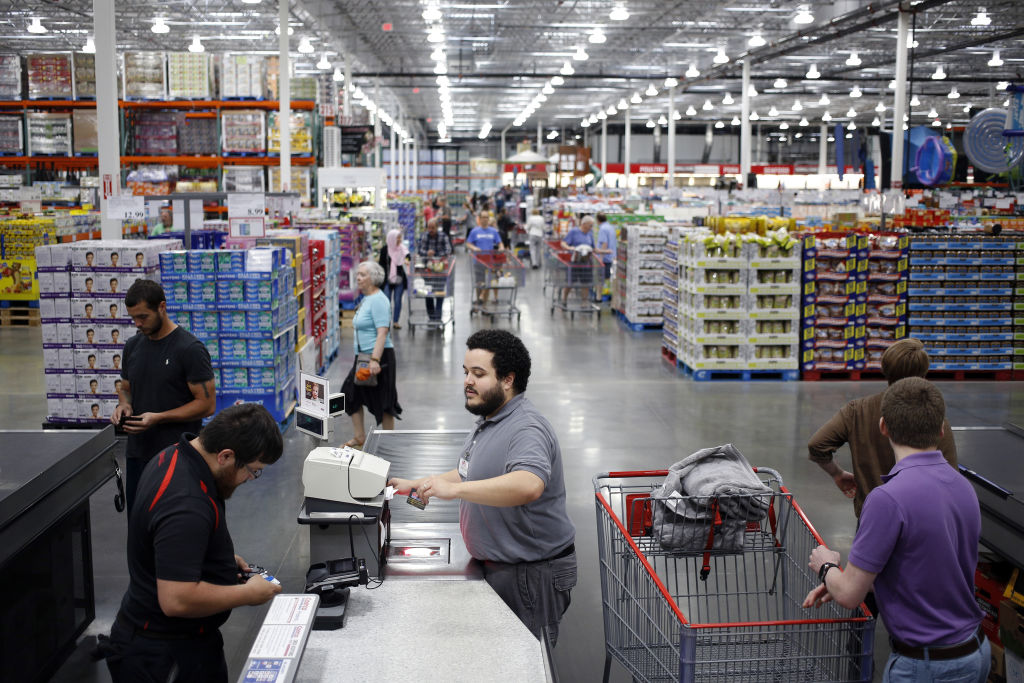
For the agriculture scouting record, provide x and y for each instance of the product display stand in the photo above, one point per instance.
(638, 274)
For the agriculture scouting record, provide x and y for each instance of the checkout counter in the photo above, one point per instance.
(433, 618)
(46, 580)
(989, 458)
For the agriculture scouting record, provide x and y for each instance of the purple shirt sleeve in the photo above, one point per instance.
(880, 527)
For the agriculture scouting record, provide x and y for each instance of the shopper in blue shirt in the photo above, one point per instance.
(606, 246)
(483, 238)
(579, 271)
(371, 324)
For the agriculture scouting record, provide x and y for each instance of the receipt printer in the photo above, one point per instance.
(345, 475)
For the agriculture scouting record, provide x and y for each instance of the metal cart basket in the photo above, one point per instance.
(497, 275)
(572, 282)
(431, 294)
(706, 613)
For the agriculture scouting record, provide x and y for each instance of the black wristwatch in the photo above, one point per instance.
(824, 570)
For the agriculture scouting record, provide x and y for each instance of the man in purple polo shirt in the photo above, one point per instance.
(918, 545)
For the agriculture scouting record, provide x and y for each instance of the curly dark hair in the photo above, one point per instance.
(510, 355)
(145, 291)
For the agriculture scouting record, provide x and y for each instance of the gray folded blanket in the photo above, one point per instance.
(682, 506)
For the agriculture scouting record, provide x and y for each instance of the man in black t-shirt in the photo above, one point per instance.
(168, 382)
(183, 571)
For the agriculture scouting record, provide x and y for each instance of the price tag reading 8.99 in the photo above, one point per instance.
(246, 205)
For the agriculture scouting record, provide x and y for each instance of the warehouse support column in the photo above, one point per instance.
(376, 125)
(604, 152)
(625, 166)
(415, 165)
(392, 160)
(671, 177)
(900, 100)
(104, 35)
(745, 125)
(284, 87)
(346, 101)
(823, 149)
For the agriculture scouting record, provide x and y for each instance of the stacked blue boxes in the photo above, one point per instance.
(888, 274)
(240, 303)
(834, 298)
(406, 221)
(961, 300)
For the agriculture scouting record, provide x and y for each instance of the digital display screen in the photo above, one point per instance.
(309, 424)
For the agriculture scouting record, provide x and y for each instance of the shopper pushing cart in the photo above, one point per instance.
(709, 587)
(497, 277)
(572, 278)
(432, 281)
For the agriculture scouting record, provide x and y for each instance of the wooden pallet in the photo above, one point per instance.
(19, 316)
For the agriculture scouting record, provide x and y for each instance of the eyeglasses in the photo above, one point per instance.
(256, 474)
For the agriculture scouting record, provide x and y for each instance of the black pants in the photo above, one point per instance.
(435, 306)
(132, 474)
(143, 659)
(538, 592)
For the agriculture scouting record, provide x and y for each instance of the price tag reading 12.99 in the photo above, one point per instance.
(246, 205)
(126, 208)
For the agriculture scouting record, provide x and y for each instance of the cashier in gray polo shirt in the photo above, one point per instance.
(510, 487)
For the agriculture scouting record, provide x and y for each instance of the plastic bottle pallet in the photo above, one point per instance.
(739, 375)
(636, 327)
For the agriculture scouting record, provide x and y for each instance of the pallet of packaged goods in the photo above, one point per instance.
(243, 132)
(189, 76)
(960, 304)
(144, 76)
(886, 304)
(670, 294)
(773, 293)
(833, 303)
(49, 76)
(301, 123)
(241, 305)
(84, 322)
(10, 77)
(639, 285)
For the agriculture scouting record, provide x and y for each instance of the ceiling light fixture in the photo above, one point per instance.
(981, 18)
(338, 76)
(36, 26)
(597, 37)
(676, 116)
(826, 117)
(751, 91)
(436, 35)
(622, 104)
(803, 121)
(855, 93)
(915, 101)
(671, 82)
(780, 83)
(251, 2)
(754, 116)
(650, 123)
(305, 47)
(719, 124)
(159, 26)
(432, 14)
(783, 126)
(728, 99)
(547, 89)
(773, 111)
(322, 64)
(720, 56)
(197, 46)
(1002, 85)
(581, 54)
(880, 107)
(557, 80)
(691, 111)
(996, 60)
(851, 112)
(585, 123)
(619, 13)
(611, 110)
(939, 74)
(853, 59)
(438, 54)
(707, 106)
(651, 91)
(967, 108)
(953, 94)
(735, 121)
(692, 72)
(602, 115)
(936, 123)
(824, 101)
(636, 99)
(803, 15)
(567, 69)
(876, 122)
(757, 40)
(797, 106)
(892, 84)
(932, 113)
(813, 72)
(90, 46)
(484, 130)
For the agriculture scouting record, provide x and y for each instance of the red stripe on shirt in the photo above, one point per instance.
(167, 479)
(216, 512)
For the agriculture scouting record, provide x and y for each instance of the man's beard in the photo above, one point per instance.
(226, 484)
(489, 402)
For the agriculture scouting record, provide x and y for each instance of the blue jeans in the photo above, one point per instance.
(972, 668)
(394, 293)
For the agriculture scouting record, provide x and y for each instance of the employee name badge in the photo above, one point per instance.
(464, 463)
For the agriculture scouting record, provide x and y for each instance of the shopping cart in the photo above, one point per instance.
(571, 281)
(431, 290)
(497, 275)
(711, 614)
